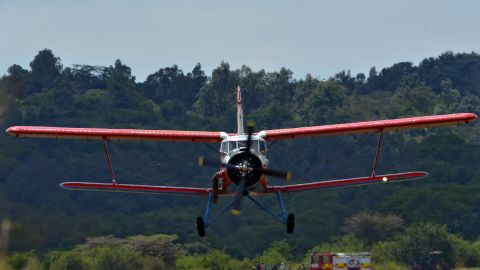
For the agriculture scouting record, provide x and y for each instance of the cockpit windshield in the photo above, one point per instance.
(258, 146)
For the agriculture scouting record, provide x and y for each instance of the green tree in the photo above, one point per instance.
(46, 68)
(278, 252)
(117, 258)
(159, 245)
(122, 88)
(371, 227)
(217, 92)
(418, 241)
(72, 260)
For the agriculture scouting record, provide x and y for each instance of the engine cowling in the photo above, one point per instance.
(250, 164)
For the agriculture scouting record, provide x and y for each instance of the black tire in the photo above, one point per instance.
(200, 227)
(290, 223)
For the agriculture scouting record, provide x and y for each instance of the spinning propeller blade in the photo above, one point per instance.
(241, 188)
(275, 173)
(202, 161)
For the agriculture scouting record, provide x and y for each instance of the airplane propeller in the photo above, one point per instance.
(241, 188)
(244, 170)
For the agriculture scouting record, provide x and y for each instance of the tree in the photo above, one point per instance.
(159, 245)
(46, 67)
(117, 258)
(71, 260)
(372, 227)
(418, 241)
(15, 82)
(121, 86)
(414, 100)
(217, 92)
(322, 102)
(278, 252)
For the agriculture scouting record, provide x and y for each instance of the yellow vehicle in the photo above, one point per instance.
(340, 261)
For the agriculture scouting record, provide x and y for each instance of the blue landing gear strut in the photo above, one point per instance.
(288, 220)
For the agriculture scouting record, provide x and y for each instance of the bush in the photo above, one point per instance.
(117, 258)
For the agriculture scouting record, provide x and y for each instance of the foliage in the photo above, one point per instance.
(135, 252)
(19, 260)
(45, 217)
(278, 252)
(213, 259)
(74, 260)
(372, 227)
(344, 243)
(390, 266)
(419, 241)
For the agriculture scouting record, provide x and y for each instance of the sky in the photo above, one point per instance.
(320, 38)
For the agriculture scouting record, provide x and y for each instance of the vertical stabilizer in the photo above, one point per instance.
(240, 130)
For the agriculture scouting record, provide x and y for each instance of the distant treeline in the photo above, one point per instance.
(45, 217)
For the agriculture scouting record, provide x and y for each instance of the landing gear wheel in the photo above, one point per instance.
(290, 223)
(200, 227)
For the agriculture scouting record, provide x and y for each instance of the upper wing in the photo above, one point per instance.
(116, 134)
(398, 177)
(368, 127)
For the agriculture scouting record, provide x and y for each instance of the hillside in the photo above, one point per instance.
(45, 217)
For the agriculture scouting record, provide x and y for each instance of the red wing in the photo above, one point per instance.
(116, 134)
(387, 178)
(134, 188)
(370, 126)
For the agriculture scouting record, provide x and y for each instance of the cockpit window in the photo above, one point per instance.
(224, 147)
(263, 146)
(253, 146)
(232, 146)
(256, 146)
(242, 144)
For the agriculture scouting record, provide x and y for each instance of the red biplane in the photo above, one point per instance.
(243, 159)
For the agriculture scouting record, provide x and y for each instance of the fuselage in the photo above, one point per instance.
(233, 152)
(235, 144)
(243, 165)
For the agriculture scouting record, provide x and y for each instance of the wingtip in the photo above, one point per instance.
(11, 130)
(468, 116)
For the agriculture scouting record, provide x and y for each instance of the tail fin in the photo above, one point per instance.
(240, 129)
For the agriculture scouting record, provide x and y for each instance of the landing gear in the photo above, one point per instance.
(290, 223)
(205, 221)
(200, 227)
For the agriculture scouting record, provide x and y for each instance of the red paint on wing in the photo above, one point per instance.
(370, 126)
(114, 134)
(134, 188)
(387, 178)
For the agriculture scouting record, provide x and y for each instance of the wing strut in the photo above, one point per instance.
(114, 181)
(377, 153)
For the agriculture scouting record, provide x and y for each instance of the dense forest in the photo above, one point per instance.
(44, 217)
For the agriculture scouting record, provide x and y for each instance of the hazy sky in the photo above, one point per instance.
(317, 37)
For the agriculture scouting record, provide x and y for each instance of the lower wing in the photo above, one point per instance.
(387, 178)
(134, 188)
